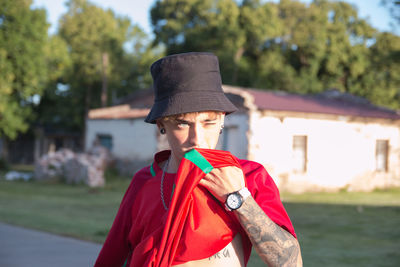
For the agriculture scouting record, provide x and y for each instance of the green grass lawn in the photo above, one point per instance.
(334, 229)
(69, 210)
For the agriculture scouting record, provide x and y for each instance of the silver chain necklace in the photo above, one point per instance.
(162, 184)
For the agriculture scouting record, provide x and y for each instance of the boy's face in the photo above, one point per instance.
(192, 130)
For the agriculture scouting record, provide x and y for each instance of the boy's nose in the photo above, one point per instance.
(196, 136)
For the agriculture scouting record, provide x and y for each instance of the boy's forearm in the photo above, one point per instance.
(274, 245)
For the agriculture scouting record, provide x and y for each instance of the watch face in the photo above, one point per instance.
(234, 201)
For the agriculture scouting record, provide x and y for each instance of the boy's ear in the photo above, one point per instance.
(159, 124)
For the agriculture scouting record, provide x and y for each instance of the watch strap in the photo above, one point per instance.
(245, 193)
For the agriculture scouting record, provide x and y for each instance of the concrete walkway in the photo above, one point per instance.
(21, 247)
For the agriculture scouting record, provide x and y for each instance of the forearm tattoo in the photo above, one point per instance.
(275, 246)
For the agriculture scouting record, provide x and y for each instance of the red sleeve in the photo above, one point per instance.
(116, 247)
(266, 194)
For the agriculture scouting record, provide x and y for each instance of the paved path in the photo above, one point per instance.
(21, 247)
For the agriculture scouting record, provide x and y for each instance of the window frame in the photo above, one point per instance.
(300, 144)
(382, 148)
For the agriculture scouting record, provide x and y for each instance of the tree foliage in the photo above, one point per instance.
(54, 109)
(290, 45)
(91, 34)
(98, 56)
(23, 73)
(200, 25)
(102, 68)
(381, 82)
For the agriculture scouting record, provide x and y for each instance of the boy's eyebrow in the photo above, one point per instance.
(182, 121)
(186, 121)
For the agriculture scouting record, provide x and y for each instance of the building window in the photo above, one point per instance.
(105, 140)
(381, 155)
(300, 153)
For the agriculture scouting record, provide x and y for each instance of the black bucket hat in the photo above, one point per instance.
(188, 82)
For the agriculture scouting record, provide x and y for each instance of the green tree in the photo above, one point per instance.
(201, 25)
(290, 45)
(23, 73)
(323, 45)
(55, 103)
(96, 58)
(134, 69)
(293, 51)
(347, 54)
(381, 82)
(101, 66)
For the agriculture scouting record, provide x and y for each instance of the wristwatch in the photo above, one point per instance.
(236, 199)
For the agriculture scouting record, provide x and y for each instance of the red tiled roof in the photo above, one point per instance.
(135, 105)
(340, 105)
(118, 112)
(331, 102)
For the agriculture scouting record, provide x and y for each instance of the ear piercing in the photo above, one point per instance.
(222, 127)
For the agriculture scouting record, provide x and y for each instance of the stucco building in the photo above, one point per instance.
(329, 141)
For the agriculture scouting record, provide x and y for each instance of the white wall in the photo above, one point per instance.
(340, 153)
(135, 139)
(233, 137)
(132, 138)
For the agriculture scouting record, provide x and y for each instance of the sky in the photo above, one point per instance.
(138, 11)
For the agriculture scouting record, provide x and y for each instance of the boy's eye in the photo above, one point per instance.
(183, 124)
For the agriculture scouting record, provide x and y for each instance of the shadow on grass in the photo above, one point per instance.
(345, 235)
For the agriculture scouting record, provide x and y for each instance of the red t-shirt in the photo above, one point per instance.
(139, 223)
